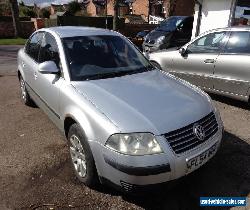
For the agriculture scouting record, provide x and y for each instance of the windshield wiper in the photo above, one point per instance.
(116, 73)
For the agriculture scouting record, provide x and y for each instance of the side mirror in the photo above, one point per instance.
(48, 67)
(182, 51)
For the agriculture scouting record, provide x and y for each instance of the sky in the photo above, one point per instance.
(44, 3)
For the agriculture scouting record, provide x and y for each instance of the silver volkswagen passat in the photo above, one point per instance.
(126, 123)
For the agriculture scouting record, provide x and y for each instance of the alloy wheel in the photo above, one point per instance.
(78, 156)
(23, 89)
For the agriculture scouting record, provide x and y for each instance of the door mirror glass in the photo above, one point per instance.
(48, 67)
(182, 51)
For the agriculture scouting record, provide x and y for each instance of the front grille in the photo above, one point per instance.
(184, 139)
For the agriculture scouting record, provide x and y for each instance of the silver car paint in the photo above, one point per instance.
(144, 113)
(228, 75)
(152, 102)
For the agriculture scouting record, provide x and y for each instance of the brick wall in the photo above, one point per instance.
(7, 29)
(110, 7)
(130, 30)
(184, 7)
(91, 9)
(140, 7)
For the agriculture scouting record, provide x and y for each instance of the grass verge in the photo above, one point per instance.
(16, 41)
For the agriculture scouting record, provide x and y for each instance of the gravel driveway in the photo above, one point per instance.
(35, 171)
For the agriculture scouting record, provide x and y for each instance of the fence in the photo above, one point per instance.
(130, 30)
(98, 22)
(7, 29)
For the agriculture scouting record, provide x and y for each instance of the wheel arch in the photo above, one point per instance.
(68, 122)
(81, 120)
(156, 64)
(18, 74)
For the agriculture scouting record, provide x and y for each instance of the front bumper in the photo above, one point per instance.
(126, 171)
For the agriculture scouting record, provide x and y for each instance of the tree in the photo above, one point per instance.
(4, 8)
(116, 13)
(73, 7)
(15, 16)
(25, 11)
(45, 13)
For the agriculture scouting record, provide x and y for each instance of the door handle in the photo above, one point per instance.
(35, 75)
(208, 61)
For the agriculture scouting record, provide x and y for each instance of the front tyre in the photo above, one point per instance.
(81, 156)
(24, 93)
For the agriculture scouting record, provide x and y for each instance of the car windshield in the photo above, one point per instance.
(98, 57)
(170, 24)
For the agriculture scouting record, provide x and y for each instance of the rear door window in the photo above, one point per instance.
(33, 45)
(239, 42)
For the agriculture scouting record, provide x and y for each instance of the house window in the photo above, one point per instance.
(123, 10)
(100, 6)
(241, 13)
(100, 10)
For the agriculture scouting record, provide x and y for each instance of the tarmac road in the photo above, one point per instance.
(35, 170)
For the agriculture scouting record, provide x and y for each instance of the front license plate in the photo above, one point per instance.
(201, 159)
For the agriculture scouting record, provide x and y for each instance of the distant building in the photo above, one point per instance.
(161, 8)
(54, 8)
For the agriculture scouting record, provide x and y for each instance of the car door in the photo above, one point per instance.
(197, 64)
(232, 69)
(30, 62)
(47, 86)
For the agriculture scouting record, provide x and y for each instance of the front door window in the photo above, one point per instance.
(210, 43)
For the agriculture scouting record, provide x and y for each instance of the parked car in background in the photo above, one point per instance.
(218, 61)
(126, 122)
(139, 38)
(173, 32)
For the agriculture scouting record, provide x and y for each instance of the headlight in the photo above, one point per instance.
(134, 144)
(160, 39)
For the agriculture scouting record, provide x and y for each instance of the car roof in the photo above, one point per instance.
(233, 28)
(72, 31)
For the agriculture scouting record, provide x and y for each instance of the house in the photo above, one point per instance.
(210, 14)
(54, 8)
(160, 8)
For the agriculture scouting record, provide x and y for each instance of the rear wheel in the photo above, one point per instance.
(81, 156)
(24, 93)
